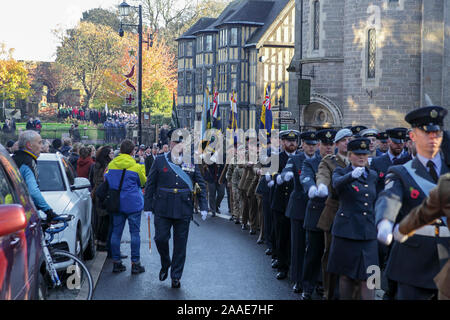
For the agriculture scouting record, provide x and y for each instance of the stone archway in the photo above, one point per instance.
(321, 112)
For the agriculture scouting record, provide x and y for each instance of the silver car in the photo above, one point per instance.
(68, 195)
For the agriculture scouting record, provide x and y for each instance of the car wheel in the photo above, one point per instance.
(89, 253)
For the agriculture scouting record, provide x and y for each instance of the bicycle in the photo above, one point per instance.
(67, 276)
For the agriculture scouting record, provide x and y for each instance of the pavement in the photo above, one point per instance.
(223, 263)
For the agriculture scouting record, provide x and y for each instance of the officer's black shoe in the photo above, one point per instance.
(306, 296)
(275, 264)
(137, 268)
(252, 232)
(118, 267)
(260, 241)
(268, 252)
(163, 274)
(123, 256)
(231, 218)
(297, 288)
(176, 283)
(244, 227)
(213, 214)
(281, 275)
(237, 221)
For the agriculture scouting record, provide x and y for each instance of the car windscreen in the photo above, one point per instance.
(50, 176)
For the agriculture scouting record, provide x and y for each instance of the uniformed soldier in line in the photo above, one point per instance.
(250, 187)
(169, 195)
(436, 206)
(410, 148)
(316, 203)
(383, 143)
(381, 164)
(235, 181)
(280, 200)
(414, 263)
(324, 177)
(265, 192)
(354, 244)
(371, 134)
(297, 206)
(229, 176)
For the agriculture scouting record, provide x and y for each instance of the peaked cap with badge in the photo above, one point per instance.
(427, 118)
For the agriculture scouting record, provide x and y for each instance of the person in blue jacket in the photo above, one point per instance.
(354, 246)
(30, 143)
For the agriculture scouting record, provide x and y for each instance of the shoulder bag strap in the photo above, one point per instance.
(121, 180)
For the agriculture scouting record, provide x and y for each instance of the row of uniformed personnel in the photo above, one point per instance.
(320, 213)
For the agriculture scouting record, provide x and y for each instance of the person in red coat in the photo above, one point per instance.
(84, 163)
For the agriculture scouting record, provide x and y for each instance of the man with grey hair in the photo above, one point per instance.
(30, 144)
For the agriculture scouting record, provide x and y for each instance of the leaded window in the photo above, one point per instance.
(209, 43)
(208, 72)
(189, 49)
(180, 84)
(188, 83)
(371, 56)
(316, 24)
(223, 77)
(199, 44)
(234, 69)
(198, 81)
(234, 37)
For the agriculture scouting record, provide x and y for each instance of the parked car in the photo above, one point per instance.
(68, 195)
(20, 236)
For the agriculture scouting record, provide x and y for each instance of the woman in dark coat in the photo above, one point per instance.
(84, 163)
(354, 248)
(104, 156)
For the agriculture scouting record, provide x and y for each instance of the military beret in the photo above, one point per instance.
(343, 133)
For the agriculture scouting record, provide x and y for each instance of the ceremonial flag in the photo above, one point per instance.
(206, 118)
(266, 113)
(215, 111)
(175, 122)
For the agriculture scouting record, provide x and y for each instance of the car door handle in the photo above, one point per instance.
(14, 242)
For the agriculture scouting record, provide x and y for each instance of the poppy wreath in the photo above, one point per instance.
(414, 193)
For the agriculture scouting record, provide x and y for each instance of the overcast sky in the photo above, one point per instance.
(26, 25)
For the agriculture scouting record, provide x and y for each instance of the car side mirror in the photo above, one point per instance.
(80, 183)
(12, 219)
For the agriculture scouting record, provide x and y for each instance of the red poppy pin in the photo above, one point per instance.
(355, 187)
(381, 174)
(165, 169)
(414, 193)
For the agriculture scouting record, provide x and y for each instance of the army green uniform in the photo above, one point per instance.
(324, 175)
(238, 171)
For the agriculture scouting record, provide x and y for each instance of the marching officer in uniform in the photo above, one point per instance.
(280, 200)
(324, 176)
(414, 263)
(381, 164)
(169, 195)
(436, 206)
(383, 144)
(297, 206)
(317, 197)
(354, 244)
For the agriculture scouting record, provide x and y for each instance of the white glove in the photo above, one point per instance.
(312, 193)
(147, 214)
(288, 176)
(400, 237)
(385, 231)
(270, 184)
(204, 214)
(322, 190)
(357, 172)
(268, 177)
(279, 179)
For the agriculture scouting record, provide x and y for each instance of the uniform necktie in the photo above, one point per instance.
(433, 173)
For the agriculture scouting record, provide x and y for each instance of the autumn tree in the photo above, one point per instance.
(13, 76)
(87, 54)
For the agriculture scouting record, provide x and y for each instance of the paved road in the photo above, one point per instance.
(223, 263)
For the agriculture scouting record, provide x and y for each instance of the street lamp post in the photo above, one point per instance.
(124, 11)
